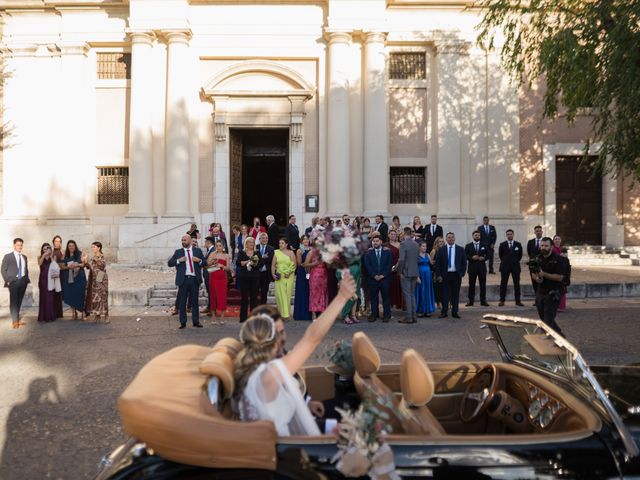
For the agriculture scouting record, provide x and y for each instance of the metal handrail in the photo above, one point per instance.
(162, 233)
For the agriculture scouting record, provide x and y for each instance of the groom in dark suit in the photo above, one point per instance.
(476, 255)
(188, 262)
(451, 265)
(432, 231)
(15, 273)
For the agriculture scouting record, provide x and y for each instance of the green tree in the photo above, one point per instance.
(588, 53)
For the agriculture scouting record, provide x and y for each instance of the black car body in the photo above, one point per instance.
(579, 422)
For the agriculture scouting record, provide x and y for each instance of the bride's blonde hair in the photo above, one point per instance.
(258, 337)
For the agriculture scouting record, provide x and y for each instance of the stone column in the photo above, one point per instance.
(178, 175)
(140, 126)
(376, 132)
(338, 146)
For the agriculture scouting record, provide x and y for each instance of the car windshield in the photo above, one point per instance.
(533, 343)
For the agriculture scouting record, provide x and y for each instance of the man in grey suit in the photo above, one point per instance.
(408, 270)
(15, 273)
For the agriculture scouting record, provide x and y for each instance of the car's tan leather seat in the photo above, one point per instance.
(417, 385)
(367, 362)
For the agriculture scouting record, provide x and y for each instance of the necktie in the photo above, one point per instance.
(433, 229)
(378, 258)
(510, 245)
(450, 256)
(262, 250)
(189, 260)
(19, 266)
(537, 243)
(486, 229)
(477, 249)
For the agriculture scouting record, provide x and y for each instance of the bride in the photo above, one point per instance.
(265, 387)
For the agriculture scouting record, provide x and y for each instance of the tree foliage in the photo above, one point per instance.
(588, 53)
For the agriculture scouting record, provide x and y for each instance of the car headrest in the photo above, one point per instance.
(219, 363)
(416, 379)
(365, 356)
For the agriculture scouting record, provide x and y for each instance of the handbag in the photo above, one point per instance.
(100, 276)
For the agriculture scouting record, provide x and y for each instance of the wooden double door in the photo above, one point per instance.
(259, 175)
(578, 202)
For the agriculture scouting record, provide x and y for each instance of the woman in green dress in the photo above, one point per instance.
(283, 268)
(349, 309)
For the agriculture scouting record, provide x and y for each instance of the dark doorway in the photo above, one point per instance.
(262, 179)
(579, 202)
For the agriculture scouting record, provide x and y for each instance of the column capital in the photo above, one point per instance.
(145, 37)
(374, 37)
(178, 35)
(337, 36)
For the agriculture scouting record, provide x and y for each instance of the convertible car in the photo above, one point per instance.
(539, 413)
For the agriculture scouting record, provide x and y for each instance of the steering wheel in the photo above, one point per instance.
(481, 389)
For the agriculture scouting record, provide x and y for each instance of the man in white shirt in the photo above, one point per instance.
(188, 263)
(15, 273)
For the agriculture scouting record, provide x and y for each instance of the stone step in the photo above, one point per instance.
(167, 302)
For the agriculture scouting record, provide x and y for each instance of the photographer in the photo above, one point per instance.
(548, 270)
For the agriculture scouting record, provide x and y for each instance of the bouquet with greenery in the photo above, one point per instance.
(341, 356)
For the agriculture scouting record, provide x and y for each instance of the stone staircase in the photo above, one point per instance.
(164, 295)
(590, 255)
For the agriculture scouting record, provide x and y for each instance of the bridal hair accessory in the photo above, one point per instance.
(264, 316)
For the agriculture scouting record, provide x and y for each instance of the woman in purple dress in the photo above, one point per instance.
(46, 306)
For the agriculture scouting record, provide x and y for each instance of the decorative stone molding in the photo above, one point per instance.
(72, 48)
(374, 37)
(337, 36)
(297, 117)
(20, 50)
(141, 36)
(182, 35)
(220, 118)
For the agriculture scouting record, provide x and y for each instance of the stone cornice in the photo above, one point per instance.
(29, 5)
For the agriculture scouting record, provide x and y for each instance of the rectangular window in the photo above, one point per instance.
(407, 66)
(113, 185)
(408, 185)
(114, 65)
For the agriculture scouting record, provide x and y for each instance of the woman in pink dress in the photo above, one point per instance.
(318, 278)
(557, 248)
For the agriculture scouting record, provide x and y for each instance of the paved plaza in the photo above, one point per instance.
(60, 381)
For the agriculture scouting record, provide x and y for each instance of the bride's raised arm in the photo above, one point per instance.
(295, 359)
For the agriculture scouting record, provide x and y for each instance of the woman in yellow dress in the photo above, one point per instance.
(283, 268)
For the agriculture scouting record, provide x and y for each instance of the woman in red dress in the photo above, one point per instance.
(318, 278)
(218, 265)
(395, 293)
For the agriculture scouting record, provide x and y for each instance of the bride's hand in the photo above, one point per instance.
(347, 287)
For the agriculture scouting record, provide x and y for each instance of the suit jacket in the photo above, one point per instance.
(292, 232)
(274, 235)
(476, 266)
(442, 261)
(532, 250)
(181, 268)
(383, 228)
(270, 252)
(430, 238)
(408, 260)
(488, 238)
(10, 268)
(205, 273)
(371, 264)
(510, 258)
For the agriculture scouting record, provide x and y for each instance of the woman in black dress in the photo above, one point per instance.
(248, 264)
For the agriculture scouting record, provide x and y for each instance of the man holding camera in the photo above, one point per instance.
(548, 270)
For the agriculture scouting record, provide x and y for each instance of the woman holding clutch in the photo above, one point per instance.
(283, 268)
(218, 265)
(248, 264)
(97, 298)
(74, 281)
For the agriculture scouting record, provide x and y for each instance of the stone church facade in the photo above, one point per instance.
(131, 119)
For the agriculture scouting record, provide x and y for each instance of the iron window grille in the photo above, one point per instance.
(408, 184)
(113, 185)
(114, 65)
(407, 66)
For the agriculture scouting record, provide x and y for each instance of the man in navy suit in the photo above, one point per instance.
(488, 237)
(510, 253)
(476, 254)
(265, 252)
(15, 273)
(378, 262)
(451, 265)
(188, 262)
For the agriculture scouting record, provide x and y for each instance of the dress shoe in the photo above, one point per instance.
(21, 323)
(405, 320)
(485, 304)
(469, 304)
(372, 319)
(386, 319)
(182, 326)
(197, 325)
(501, 304)
(520, 304)
(443, 315)
(455, 315)
(15, 325)
(491, 272)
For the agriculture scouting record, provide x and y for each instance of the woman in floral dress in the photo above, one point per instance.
(98, 290)
(318, 278)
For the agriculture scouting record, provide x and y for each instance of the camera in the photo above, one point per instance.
(535, 264)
